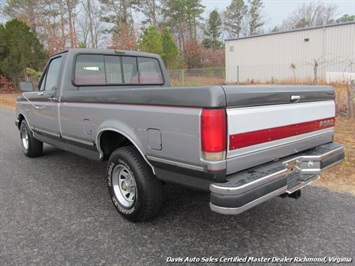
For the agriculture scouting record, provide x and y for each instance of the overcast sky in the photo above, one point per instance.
(277, 10)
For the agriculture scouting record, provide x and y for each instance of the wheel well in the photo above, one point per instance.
(110, 141)
(20, 119)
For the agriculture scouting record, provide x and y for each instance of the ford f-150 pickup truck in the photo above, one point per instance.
(243, 144)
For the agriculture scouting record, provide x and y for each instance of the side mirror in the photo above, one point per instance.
(26, 86)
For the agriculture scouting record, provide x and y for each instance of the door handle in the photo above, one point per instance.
(295, 98)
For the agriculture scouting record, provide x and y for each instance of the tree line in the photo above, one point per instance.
(175, 29)
(21, 53)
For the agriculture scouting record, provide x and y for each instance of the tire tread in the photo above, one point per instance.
(35, 147)
(151, 187)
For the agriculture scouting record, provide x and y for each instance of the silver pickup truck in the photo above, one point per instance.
(244, 144)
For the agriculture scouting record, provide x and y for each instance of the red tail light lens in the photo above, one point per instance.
(213, 134)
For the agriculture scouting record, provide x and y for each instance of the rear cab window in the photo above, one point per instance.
(116, 70)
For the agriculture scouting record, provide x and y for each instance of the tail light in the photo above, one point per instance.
(213, 134)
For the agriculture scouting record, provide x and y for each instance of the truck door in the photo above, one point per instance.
(45, 102)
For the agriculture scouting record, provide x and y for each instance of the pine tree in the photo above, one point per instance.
(171, 56)
(161, 43)
(255, 17)
(3, 48)
(183, 18)
(213, 31)
(346, 18)
(151, 41)
(235, 16)
(194, 10)
(23, 50)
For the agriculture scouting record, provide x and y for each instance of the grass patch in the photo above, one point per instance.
(342, 177)
(8, 99)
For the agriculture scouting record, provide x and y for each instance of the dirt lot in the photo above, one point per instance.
(340, 178)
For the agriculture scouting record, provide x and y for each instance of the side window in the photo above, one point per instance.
(149, 71)
(51, 78)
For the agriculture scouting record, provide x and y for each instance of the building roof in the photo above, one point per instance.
(290, 31)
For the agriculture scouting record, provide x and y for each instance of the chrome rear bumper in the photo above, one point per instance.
(251, 187)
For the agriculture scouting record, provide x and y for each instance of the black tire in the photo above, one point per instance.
(134, 190)
(30, 146)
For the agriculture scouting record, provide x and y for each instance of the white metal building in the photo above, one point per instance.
(291, 56)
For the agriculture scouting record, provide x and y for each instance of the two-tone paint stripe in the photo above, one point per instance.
(241, 140)
(250, 127)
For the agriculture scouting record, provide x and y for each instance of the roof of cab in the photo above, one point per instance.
(106, 51)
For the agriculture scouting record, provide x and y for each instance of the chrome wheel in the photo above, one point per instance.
(124, 186)
(24, 138)
(134, 190)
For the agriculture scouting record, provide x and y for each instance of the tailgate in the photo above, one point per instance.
(266, 123)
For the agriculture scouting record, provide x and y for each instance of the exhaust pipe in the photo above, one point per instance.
(294, 195)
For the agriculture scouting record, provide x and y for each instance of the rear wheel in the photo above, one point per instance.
(135, 191)
(30, 146)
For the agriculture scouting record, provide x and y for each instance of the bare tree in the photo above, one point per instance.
(24, 10)
(351, 98)
(293, 68)
(152, 11)
(53, 21)
(84, 26)
(321, 63)
(91, 24)
(70, 7)
(3, 15)
(309, 15)
(119, 15)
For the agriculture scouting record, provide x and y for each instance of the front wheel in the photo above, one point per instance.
(134, 190)
(30, 146)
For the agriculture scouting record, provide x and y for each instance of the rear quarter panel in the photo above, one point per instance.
(178, 127)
